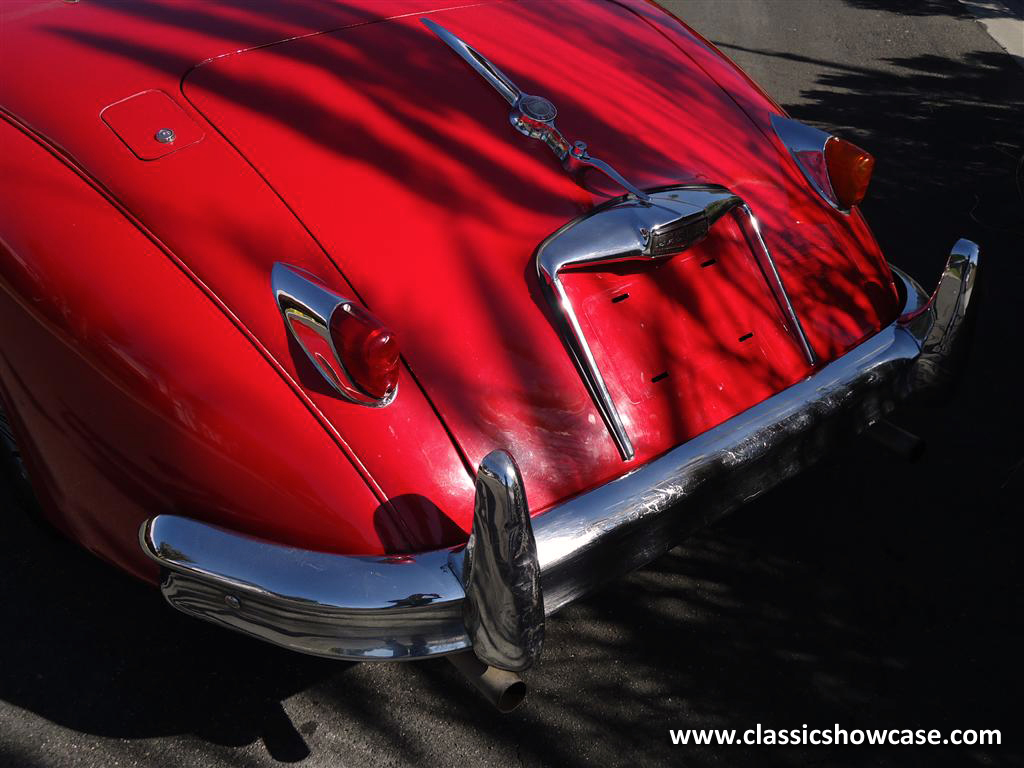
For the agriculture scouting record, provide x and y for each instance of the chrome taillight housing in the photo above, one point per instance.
(354, 352)
(838, 170)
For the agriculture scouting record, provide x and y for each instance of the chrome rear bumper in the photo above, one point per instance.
(494, 599)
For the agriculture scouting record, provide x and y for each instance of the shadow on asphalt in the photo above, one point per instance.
(90, 649)
(868, 592)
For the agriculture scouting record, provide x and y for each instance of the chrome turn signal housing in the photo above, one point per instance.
(838, 170)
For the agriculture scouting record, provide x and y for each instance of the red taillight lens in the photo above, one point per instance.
(849, 171)
(367, 349)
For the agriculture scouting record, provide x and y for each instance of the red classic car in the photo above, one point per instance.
(323, 316)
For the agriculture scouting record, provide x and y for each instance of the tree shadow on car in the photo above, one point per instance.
(867, 593)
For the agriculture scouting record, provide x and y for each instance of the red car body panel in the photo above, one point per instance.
(369, 155)
(125, 397)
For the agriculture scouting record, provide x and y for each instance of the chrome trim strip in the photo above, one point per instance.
(504, 610)
(407, 607)
(304, 301)
(771, 273)
(533, 116)
(623, 229)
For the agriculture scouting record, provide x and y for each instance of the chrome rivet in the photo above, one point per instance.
(233, 602)
(164, 136)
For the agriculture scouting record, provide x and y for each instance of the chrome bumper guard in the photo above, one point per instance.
(492, 595)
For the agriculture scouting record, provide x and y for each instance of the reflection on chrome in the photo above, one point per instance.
(623, 229)
(504, 611)
(390, 608)
(804, 142)
(307, 306)
(945, 344)
(533, 116)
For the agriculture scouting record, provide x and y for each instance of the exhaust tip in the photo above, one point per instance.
(504, 689)
(902, 443)
(511, 697)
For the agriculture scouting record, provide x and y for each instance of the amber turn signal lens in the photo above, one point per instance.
(367, 349)
(849, 171)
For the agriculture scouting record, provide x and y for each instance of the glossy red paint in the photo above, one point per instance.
(134, 118)
(205, 201)
(139, 395)
(368, 154)
(432, 207)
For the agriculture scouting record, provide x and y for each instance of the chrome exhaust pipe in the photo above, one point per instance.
(505, 690)
(904, 444)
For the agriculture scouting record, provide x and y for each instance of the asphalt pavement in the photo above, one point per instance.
(869, 592)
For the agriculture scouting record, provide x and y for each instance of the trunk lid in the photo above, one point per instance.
(402, 164)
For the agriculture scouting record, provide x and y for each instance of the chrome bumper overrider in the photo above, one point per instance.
(492, 596)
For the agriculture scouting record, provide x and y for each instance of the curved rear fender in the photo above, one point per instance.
(135, 395)
(759, 107)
